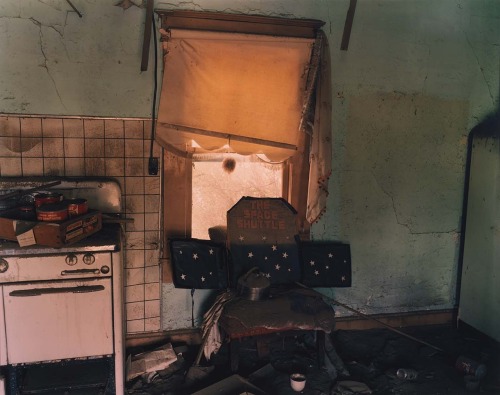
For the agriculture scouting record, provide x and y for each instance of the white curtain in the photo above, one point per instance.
(240, 90)
(245, 93)
(320, 158)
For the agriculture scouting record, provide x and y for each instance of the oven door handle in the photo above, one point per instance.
(61, 290)
(79, 271)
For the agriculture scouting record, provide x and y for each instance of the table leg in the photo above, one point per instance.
(234, 347)
(320, 345)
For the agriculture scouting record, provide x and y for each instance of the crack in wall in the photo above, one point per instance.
(393, 204)
(45, 66)
(249, 11)
(183, 4)
(37, 22)
(407, 226)
(480, 68)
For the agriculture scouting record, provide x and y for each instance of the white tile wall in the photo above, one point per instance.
(45, 146)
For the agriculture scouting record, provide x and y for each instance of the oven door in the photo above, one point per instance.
(58, 320)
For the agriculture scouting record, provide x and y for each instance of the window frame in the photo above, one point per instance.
(177, 169)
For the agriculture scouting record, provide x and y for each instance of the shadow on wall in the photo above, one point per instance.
(400, 198)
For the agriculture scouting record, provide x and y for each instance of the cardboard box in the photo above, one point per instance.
(51, 234)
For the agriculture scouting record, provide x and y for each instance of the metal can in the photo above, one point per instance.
(52, 212)
(470, 367)
(47, 198)
(407, 374)
(76, 207)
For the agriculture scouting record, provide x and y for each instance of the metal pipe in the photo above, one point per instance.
(376, 320)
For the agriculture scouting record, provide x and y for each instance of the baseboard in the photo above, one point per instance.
(192, 336)
(398, 320)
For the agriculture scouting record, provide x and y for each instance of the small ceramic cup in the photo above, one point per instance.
(297, 381)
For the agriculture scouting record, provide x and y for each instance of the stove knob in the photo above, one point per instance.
(88, 258)
(71, 259)
(4, 265)
(105, 269)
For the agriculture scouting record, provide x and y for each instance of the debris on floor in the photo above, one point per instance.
(147, 364)
(351, 388)
(376, 362)
(231, 385)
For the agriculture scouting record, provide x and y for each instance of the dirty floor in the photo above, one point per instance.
(370, 357)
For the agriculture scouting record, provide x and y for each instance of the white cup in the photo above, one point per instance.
(297, 381)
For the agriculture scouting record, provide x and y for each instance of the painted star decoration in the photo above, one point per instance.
(269, 252)
(319, 266)
(189, 269)
(326, 266)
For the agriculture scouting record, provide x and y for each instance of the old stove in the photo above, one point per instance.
(61, 309)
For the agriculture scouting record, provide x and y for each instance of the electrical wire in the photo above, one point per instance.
(155, 89)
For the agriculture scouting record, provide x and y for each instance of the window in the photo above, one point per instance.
(241, 87)
(220, 180)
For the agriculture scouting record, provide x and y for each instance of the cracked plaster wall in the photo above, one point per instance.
(417, 77)
(53, 62)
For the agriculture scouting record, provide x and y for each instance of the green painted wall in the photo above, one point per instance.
(417, 77)
(53, 62)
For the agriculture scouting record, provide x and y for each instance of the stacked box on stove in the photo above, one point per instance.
(48, 233)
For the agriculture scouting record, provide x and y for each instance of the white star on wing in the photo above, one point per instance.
(327, 267)
(330, 255)
(250, 254)
(211, 251)
(316, 272)
(264, 238)
(285, 255)
(268, 275)
(180, 252)
(195, 256)
(265, 258)
(343, 278)
(274, 248)
(202, 279)
(311, 263)
(241, 238)
(278, 267)
(183, 276)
